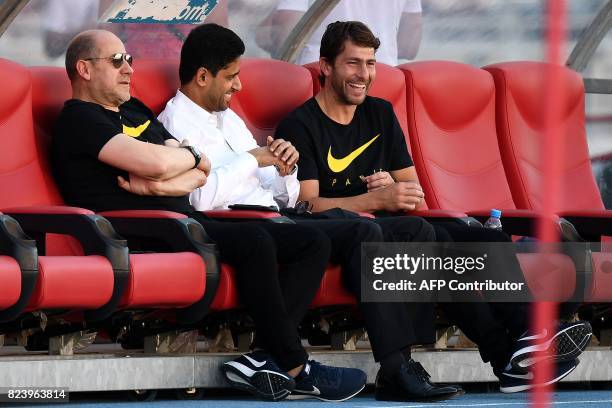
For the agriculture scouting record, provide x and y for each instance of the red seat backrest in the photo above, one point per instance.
(50, 89)
(520, 123)
(154, 82)
(25, 178)
(451, 120)
(270, 91)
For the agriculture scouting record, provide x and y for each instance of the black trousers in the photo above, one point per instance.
(278, 269)
(492, 326)
(392, 326)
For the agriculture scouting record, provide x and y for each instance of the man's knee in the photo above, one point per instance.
(255, 242)
(426, 232)
(413, 229)
(315, 242)
(367, 231)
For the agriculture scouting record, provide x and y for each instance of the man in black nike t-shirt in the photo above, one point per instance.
(109, 152)
(353, 155)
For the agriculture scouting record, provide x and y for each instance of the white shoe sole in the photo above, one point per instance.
(265, 384)
(565, 345)
(526, 387)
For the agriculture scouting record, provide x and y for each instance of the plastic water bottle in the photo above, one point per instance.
(493, 222)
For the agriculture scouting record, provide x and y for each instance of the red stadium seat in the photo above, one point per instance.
(270, 91)
(520, 131)
(51, 89)
(520, 125)
(451, 119)
(154, 82)
(68, 280)
(18, 269)
(24, 182)
(10, 282)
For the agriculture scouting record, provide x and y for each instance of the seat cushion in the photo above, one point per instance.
(601, 282)
(164, 280)
(71, 282)
(226, 297)
(10, 282)
(332, 290)
(550, 277)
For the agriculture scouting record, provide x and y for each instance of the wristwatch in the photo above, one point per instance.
(196, 154)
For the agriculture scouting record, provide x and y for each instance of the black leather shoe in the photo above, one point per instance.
(411, 383)
(426, 377)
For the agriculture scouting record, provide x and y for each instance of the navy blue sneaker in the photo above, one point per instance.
(328, 383)
(512, 380)
(258, 374)
(566, 344)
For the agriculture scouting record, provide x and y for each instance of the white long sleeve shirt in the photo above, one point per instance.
(235, 177)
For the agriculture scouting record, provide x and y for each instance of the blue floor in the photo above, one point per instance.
(574, 398)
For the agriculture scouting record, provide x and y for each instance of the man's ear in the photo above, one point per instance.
(325, 67)
(202, 76)
(83, 69)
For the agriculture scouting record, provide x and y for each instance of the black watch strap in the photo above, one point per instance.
(195, 153)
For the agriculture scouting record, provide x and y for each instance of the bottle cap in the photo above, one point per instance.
(496, 213)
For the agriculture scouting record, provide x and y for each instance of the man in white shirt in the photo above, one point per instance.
(398, 25)
(244, 173)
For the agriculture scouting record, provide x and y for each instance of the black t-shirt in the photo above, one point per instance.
(337, 154)
(81, 131)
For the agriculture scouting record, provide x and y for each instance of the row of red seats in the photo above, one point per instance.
(447, 110)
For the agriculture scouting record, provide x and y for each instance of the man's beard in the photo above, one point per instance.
(338, 87)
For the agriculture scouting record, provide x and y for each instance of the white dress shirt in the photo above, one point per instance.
(235, 177)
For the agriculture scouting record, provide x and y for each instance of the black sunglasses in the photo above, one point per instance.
(117, 59)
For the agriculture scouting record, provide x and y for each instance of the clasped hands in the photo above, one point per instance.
(278, 153)
(394, 196)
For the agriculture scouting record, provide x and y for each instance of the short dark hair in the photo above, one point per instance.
(210, 46)
(82, 46)
(337, 33)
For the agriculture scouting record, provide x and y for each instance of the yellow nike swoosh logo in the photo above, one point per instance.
(136, 131)
(338, 165)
